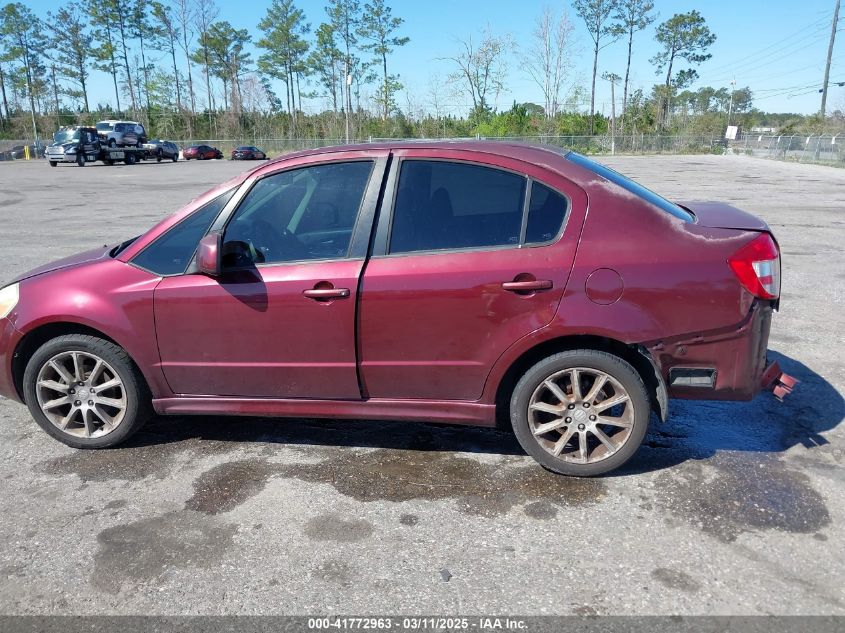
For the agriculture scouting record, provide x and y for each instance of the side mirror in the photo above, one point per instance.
(208, 255)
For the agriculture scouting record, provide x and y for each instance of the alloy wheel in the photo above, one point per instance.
(581, 415)
(81, 394)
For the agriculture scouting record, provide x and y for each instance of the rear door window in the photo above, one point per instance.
(443, 205)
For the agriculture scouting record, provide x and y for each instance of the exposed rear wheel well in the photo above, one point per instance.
(638, 358)
(40, 335)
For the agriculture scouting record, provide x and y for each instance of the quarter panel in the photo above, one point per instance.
(675, 275)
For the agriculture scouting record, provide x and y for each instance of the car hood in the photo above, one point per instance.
(66, 262)
(718, 215)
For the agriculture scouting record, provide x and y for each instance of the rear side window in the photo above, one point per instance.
(444, 205)
(171, 253)
(626, 183)
(546, 214)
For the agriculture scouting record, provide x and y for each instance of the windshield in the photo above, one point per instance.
(626, 183)
(104, 127)
(65, 136)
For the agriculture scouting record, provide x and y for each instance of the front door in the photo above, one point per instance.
(280, 320)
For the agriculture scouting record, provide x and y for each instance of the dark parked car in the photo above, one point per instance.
(201, 152)
(248, 152)
(161, 149)
(18, 152)
(455, 282)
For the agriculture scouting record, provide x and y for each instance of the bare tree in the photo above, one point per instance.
(596, 15)
(185, 18)
(205, 12)
(548, 60)
(631, 16)
(481, 69)
(166, 38)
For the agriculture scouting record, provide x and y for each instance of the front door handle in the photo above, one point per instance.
(324, 294)
(527, 286)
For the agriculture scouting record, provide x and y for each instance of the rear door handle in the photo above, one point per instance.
(326, 293)
(527, 286)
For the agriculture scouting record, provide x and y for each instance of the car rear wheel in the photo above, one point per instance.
(85, 391)
(175, 157)
(130, 159)
(580, 412)
(53, 163)
(80, 159)
(158, 156)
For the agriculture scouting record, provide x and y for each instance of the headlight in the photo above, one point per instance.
(70, 150)
(8, 299)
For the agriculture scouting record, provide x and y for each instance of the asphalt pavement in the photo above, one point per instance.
(727, 509)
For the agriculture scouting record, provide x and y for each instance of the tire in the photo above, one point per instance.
(53, 163)
(175, 157)
(575, 417)
(130, 159)
(115, 366)
(80, 160)
(108, 161)
(112, 143)
(158, 156)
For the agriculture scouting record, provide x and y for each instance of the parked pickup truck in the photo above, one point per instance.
(80, 144)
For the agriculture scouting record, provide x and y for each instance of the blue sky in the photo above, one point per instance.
(777, 47)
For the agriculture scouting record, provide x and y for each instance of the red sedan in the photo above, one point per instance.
(451, 282)
(201, 152)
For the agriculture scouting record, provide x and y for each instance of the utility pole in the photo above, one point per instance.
(731, 105)
(348, 103)
(829, 55)
(612, 78)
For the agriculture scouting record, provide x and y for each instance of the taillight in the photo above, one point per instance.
(757, 266)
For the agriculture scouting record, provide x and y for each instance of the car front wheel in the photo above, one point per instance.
(85, 391)
(580, 412)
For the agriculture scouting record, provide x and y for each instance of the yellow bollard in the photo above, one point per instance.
(26, 152)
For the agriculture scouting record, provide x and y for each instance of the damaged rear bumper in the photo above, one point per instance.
(778, 382)
(729, 364)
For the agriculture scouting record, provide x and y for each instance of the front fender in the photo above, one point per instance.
(108, 296)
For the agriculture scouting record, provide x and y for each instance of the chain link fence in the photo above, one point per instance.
(627, 144)
(824, 149)
(802, 148)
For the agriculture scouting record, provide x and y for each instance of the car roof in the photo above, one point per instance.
(520, 151)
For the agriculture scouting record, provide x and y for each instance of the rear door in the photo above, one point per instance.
(471, 254)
